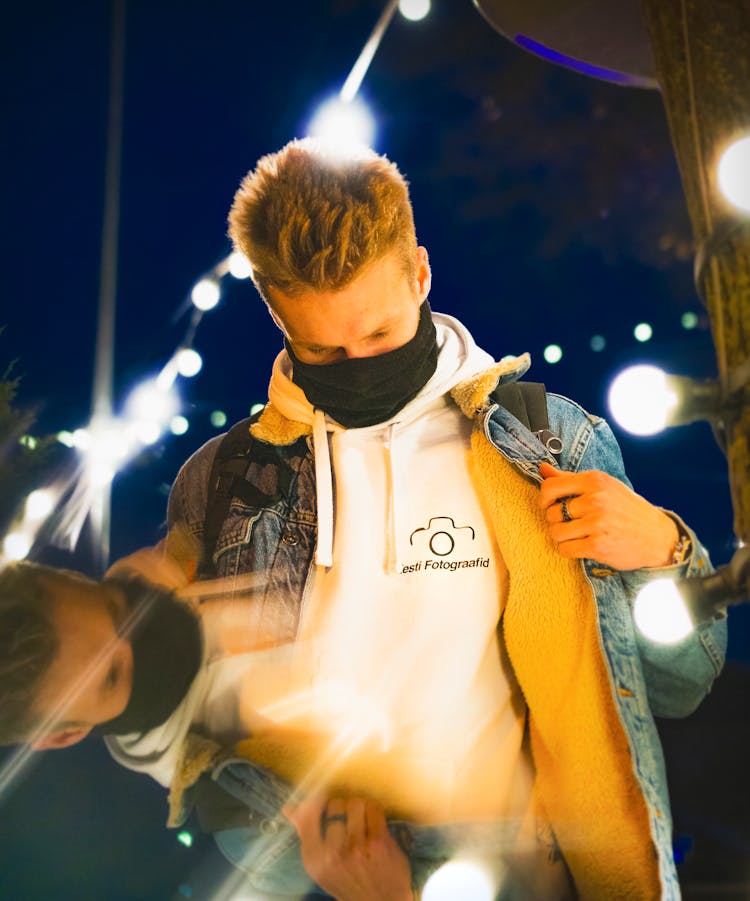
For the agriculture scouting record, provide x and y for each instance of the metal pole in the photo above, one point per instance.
(101, 407)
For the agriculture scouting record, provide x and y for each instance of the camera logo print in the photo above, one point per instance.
(442, 541)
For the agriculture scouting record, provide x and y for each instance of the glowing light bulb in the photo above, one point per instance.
(206, 294)
(459, 879)
(81, 439)
(689, 320)
(218, 419)
(641, 400)
(734, 174)
(100, 473)
(414, 10)
(553, 353)
(146, 432)
(39, 504)
(660, 612)
(178, 425)
(345, 127)
(597, 343)
(16, 545)
(65, 438)
(643, 332)
(188, 361)
(256, 408)
(151, 403)
(239, 265)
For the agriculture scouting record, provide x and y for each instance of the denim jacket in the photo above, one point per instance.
(592, 684)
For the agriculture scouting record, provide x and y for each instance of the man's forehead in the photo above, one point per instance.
(76, 602)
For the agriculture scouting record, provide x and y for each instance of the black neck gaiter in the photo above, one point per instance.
(364, 391)
(167, 644)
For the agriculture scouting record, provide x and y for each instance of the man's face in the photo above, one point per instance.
(90, 679)
(375, 313)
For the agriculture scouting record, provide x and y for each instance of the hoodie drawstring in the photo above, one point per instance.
(323, 491)
(392, 565)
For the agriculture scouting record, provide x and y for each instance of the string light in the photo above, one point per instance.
(459, 879)
(345, 126)
(178, 425)
(734, 174)
(188, 361)
(689, 320)
(553, 353)
(643, 332)
(39, 505)
(661, 614)
(239, 266)
(414, 10)
(205, 294)
(640, 399)
(16, 546)
(644, 400)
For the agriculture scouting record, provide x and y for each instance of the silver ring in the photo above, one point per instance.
(326, 819)
(565, 512)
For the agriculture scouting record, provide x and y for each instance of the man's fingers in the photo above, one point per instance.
(564, 485)
(375, 820)
(305, 816)
(356, 826)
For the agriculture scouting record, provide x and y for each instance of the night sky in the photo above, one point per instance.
(552, 210)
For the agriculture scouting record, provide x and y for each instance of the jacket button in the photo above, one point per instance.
(289, 538)
(269, 827)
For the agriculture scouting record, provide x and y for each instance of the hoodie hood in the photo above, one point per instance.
(459, 358)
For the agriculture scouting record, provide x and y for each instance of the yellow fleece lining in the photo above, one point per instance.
(274, 428)
(472, 395)
(584, 772)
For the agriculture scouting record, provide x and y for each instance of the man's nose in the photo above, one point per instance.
(356, 352)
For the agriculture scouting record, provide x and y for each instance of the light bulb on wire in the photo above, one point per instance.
(640, 399)
(346, 127)
(414, 10)
(734, 174)
(661, 614)
(205, 294)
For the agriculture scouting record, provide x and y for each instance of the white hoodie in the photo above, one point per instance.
(406, 598)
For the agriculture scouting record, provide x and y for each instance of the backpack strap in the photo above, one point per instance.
(227, 481)
(527, 401)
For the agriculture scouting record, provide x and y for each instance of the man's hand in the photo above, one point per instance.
(153, 564)
(593, 514)
(348, 850)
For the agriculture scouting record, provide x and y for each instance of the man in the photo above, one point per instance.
(395, 517)
(403, 522)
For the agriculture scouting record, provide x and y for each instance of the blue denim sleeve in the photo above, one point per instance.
(186, 506)
(677, 676)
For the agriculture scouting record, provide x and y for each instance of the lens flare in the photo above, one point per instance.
(661, 614)
(734, 174)
(641, 399)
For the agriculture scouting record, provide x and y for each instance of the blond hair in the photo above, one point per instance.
(307, 220)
